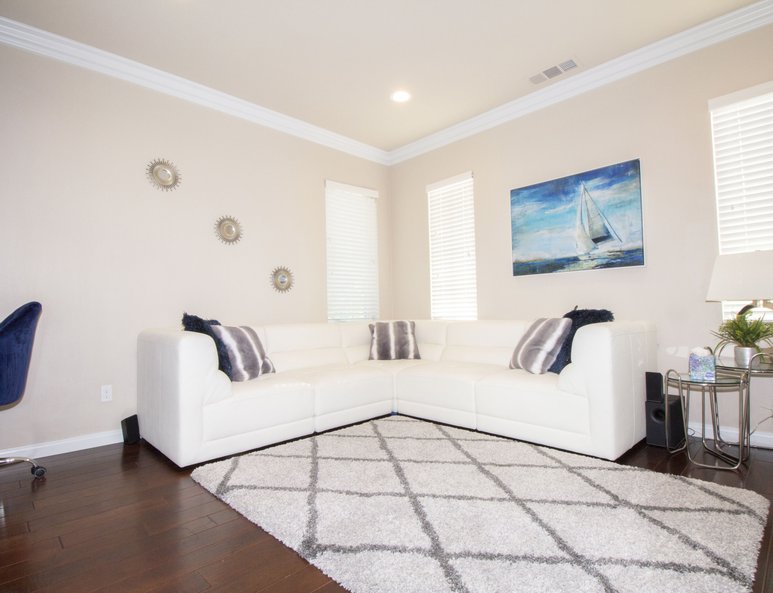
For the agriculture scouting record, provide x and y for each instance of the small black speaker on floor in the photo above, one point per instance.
(131, 430)
(656, 422)
(654, 383)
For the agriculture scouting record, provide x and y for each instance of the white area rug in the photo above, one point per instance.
(403, 506)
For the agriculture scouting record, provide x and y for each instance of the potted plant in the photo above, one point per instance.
(746, 334)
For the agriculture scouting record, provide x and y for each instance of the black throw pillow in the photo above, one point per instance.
(192, 323)
(579, 318)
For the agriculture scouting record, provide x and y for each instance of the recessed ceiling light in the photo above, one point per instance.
(400, 96)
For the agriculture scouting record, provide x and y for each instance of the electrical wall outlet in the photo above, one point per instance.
(106, 393)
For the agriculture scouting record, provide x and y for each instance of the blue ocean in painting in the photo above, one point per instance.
(592, 220)
(630, 257)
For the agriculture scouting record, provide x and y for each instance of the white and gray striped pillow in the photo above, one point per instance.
(245, 352)
(540, 345)
(393, 340)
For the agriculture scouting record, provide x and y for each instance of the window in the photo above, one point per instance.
(352, 252)
(742, 132)
(453, 284)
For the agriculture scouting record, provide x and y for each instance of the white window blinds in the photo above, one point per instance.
(352, 252)
(453, 282)
(742, 133)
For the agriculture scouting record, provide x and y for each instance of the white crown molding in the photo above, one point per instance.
(66, 50)
(60, 48)
(715, 31)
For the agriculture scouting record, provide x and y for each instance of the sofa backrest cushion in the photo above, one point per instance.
(355, 339)
(303, 345)
(490, 342)
(431, 337)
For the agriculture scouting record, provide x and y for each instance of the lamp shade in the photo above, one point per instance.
(742, 277)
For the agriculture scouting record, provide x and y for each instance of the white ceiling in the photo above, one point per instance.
(334, 63)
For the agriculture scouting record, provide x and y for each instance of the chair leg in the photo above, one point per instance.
(37, 470)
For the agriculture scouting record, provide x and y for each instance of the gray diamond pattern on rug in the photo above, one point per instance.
(398, 505)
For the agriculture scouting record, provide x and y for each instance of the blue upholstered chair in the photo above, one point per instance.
(17, 333)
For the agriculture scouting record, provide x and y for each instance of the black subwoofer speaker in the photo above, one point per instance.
(654, 386)
(656, 422)
(131, 430)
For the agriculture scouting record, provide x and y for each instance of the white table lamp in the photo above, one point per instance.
(743, 277)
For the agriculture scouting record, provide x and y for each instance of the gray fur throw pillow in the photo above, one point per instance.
(393, 340)
(539, 346)
(245, 352)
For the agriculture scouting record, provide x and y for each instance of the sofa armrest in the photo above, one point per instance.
(610, 360)
(177, 375)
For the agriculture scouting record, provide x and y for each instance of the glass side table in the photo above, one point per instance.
(760, 365)
(730, 383)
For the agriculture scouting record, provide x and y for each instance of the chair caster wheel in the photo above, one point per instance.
(38, 471)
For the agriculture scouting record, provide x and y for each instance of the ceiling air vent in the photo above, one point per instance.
(568, 65)
(553, 71)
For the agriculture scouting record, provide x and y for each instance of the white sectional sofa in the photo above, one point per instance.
(192, 412)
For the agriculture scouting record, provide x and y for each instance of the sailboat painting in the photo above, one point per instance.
(587, 221)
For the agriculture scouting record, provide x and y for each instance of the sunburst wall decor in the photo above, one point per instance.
(163, 174)
(281, 279)
(228, 230)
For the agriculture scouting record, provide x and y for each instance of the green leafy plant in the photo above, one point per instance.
(742, 331)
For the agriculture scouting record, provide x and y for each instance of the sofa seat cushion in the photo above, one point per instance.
(338, 388)
(522, 397)
(392, 367)
(268, 401)
(348, 394)
(442, 391)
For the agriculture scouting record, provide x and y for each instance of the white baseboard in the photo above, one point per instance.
(763, 440)
(110, 437)
(86, 441)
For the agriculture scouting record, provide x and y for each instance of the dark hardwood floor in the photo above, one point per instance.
(123, 519)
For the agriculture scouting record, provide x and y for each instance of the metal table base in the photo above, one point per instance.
(717, 447)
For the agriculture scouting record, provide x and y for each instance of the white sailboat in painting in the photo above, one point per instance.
(594, 233)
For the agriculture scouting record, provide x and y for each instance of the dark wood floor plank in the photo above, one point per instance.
(254, 568)
(156, 570)
(188, 583)
(12, 530)
(72, 559)
(21, 553)
(104, 569)
(306, 580)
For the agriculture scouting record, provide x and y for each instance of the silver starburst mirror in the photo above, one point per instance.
(282, 279)
(163, 174)
(228, 230)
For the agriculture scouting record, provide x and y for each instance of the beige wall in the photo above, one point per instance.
(659, 116)
(84, 232)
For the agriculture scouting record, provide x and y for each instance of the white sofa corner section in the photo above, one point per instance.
(192, 412)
